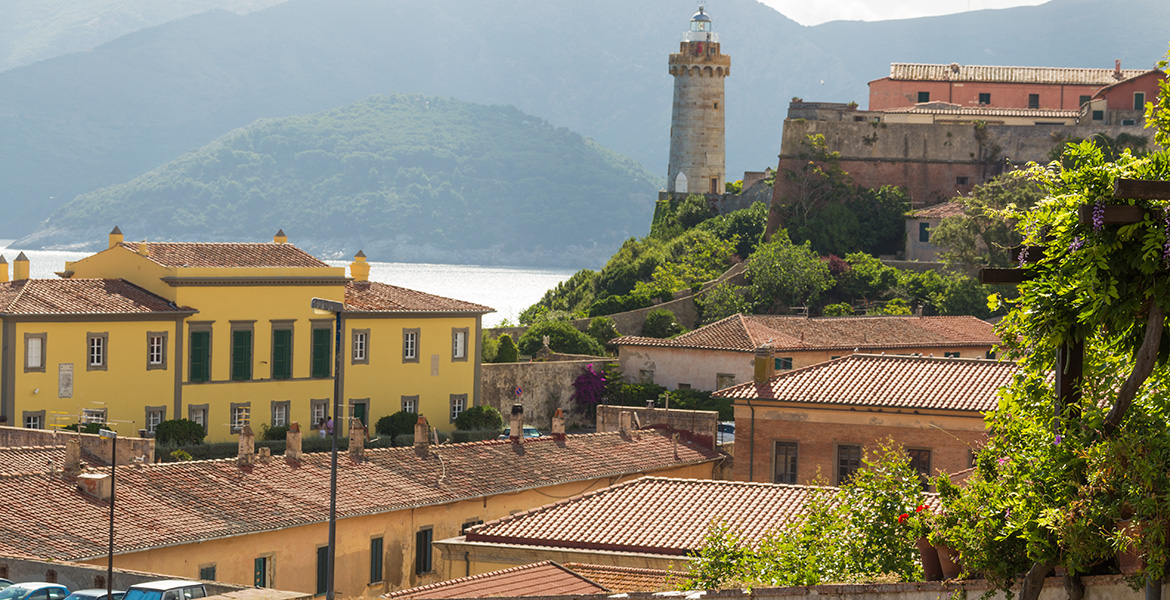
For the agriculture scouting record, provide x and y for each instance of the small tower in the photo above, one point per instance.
(697, 162)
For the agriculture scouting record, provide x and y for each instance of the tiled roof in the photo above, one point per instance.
(545, 578)
(165, 504)
(203, 254)
(866, 380)
(650, 515)
(972, 73)
(745, 333)
(371, 296)
(623, 580)
(78, 296)
(36, 459)
(943, 108)
(941, 210)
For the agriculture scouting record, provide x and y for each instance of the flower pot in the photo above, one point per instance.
(1129, 561)
(949, 561)
(931, 569)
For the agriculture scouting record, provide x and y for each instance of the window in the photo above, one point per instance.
(714, 185)
(716, 105)
(684, 386)
(410, 341)
(783, 363)
(724, 380)
(924, 232)
(375, 560)
(198, 414)
(322, 569)
(990, 355)
(458, 405)
(984, 98)
(34, 352)
(360, 410)
(280, 412)
(962, 180)
(317, 410)
(241, 415)
(322, 347)
(410, 404)
(207, 572)
(422, 551)
(848, 462)
(93, 415)
(1033, 100)
(154, 416)
(34, 419)
(1139, 100)
(1129, 121)
(646, 376)
(1098, 115)
(200, 367)
(156, 350)
(360, 353)
(459, 344)
(924, 96)
(920, 462)
(282, 350)
(97, 345)
(950, 355)
(1084, 100)
(261, 577)
(241, 352)
(784, 461)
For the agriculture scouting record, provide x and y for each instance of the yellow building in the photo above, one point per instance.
(242, 344)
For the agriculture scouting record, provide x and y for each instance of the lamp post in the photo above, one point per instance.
(320, 305)
(107, 434)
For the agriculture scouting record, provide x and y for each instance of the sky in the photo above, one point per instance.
(814, 12)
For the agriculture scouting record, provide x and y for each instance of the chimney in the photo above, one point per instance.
(20, 268)
(96, 485)
(357, 438)
(359, 269)
(625, 421)
(765, 364)
(72, 455)
(421, 432)
(264, 455)
(558, 425)
(246, 455)
(115, 237)
(516, 433)
(292, 442)
(3, 269)
(143, 248)
(280, 237)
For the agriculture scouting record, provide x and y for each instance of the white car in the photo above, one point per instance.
(726, 432)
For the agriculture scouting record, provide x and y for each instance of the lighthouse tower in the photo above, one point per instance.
(697, 162)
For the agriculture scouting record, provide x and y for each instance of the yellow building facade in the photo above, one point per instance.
(242, 344)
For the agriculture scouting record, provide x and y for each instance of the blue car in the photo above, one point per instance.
(34, 591)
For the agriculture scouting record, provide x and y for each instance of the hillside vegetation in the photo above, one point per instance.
(404, 177)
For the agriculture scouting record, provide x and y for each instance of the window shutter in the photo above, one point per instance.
(321, 352)
(322, 569)
(200, 356)
(282, 354)
(241, 355)
(258, 568)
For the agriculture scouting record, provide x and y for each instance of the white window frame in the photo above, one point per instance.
(96, 351)
(199, 415)
(153, 418)
(459, 344)
(35, 421)
(93, 415)
(410, 345)
(156, 350)
(241, 416)
(38, 355)
(410, 404)
(361, 346)
(317, 411)
(279, 414)
(458, 405)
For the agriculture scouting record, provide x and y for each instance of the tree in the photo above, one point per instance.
(984, 232)
(782, 274)
(399, 423)
(479, 418)
(180, 432)
(661, 323)
(562, 337)
(603, 330)
(507, 353)
(489, 346)
(721, 301)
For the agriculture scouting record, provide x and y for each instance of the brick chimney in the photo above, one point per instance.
(558, 425)
(765, 364)
(292, 442)
(516, 433)
(3, 269)
(72, 455)
(280, 237)
(247, 452)
(264, 456)
(359, 269)
(357, 438)
(20, 267)
(421, 433)
(115, 236)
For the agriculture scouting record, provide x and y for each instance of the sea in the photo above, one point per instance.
(509, 290)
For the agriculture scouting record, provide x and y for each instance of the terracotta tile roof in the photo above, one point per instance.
(1158, 73)
(910, 382)
(16, 460)
(649, 515)
(79, 296)
(1051, 75)
(944, 108)
(623, 580)
(745, 333)
(206, 254)
(166, 504)
(371, 296)
(941, 210)
(545, 578)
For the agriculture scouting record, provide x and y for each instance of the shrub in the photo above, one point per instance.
(507, 352)
(273, 433)
(489, 346)
(93, 428)
(616, 304)
(562, 337)
(590, 389)
(722, 301)
(837, 310)
(180, 455)
(661, 323)
(179, 432)
(603, 330)
(396, 424)
(479, 417)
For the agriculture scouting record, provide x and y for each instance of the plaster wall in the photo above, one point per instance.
(545, 386)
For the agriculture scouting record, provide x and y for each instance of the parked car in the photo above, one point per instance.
(4, 583)
(726, 432)
(529, 432)
(34, 590)
(95, 594)
(166, 589)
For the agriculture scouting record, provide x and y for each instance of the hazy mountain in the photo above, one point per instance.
(87, 120)
(407, 178)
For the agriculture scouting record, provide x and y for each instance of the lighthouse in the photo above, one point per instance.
(697, 161)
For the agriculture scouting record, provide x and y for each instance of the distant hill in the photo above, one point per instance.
(82, 121)
(406, 178)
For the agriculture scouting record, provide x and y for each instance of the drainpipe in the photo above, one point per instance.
(467, 562)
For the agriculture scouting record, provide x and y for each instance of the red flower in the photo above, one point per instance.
(921, 507)
(902, 517)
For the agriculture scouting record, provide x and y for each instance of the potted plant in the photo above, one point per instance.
(921, 524)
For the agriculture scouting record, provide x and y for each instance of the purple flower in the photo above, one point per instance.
(1056, 441)
(1023, 255)
(1166, 230)
(1098, 216)
(1002, 461)
(1077, 243)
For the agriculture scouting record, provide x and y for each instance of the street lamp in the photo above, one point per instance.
(107, 434)
(322, 306)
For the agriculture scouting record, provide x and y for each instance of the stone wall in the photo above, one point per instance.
(78, 576)
(703, 425)
(129, 448)
(546, 387)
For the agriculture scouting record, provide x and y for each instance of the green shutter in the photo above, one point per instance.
(200, 356)
(321, 352)
(258, 575)
(241, 355)
(322, 569)
(282, 354)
